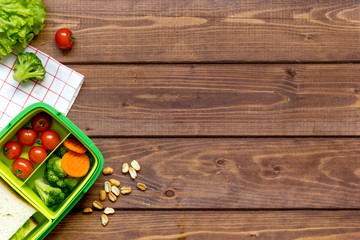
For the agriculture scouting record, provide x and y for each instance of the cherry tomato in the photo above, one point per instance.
(64, 38)
(12, 150)
(22, 168)
(27, 137)
(37, 154)
(41, 122)
(50, 139)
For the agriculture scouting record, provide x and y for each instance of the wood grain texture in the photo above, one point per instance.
(242, 173)
(219, 100)
(204, 31)
(218, 225)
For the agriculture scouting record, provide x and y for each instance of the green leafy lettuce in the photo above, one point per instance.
(20, 21)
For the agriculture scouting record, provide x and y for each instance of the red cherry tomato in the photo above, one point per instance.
(64, 38)
(41, 122)
(12, 150)
(50, 139)
(27, 137)
(22, 168)
(37, 154)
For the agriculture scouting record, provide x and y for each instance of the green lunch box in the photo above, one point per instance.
(47, 218)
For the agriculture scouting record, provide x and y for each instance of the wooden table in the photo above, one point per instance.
(244, 116)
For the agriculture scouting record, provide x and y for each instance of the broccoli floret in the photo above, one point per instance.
(53, 179)
(71, 182)
(54, 164)
(67, 183)
(27, 67)
(61, 151)
(51, 196)
(56, 176)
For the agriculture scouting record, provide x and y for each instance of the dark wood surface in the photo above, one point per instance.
(244, 116)
(235, 173)
(205, 30)
(213, 225)
(219, 100)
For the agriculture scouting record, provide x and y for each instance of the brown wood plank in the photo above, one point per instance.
(211, 31)
(219, 100)
(212, 225)
(244, 173)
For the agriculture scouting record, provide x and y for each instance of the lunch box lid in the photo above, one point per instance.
(24, 117)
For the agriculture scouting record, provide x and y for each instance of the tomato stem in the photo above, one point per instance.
(41, 123)
(38, 141)
(18, 172)
(71, 36)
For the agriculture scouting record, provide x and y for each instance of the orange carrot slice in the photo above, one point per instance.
(74, 145)
(75, 164)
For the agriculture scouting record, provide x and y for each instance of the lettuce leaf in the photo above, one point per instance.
(20, 21)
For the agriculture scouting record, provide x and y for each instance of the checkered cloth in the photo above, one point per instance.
(59, 88)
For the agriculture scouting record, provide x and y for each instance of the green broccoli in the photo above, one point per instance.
(70, 183)
(56, 176)
(53, 179)
(54, 164)
(51, 196)
(61, 151)
(27, 67)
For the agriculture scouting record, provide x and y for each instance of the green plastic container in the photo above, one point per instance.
(47, 218)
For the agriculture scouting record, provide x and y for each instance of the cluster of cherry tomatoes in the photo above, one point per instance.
(40, 125)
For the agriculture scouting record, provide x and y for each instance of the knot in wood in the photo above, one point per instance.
(220, 161)
(169, 193)
(277, 169)
(291, 72)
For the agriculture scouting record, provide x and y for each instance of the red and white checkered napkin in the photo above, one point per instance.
(59, 88)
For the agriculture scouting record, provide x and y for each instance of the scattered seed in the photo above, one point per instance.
(104, 219)
(112, 197)
(125, 190)
(114, 182)
(115, 190)
(133, 173)
(108, 171)
(87, 210)
(102, 195)
(97, 205)
(109, 210)
(141, 186)
(125, 168)
(135, 165)
(107, 186)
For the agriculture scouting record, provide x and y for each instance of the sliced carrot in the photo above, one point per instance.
(75, 164)
(74, 145)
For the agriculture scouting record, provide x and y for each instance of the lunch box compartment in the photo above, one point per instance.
(5, 164)
(46, 217)
(42, 224)
(29, 186)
